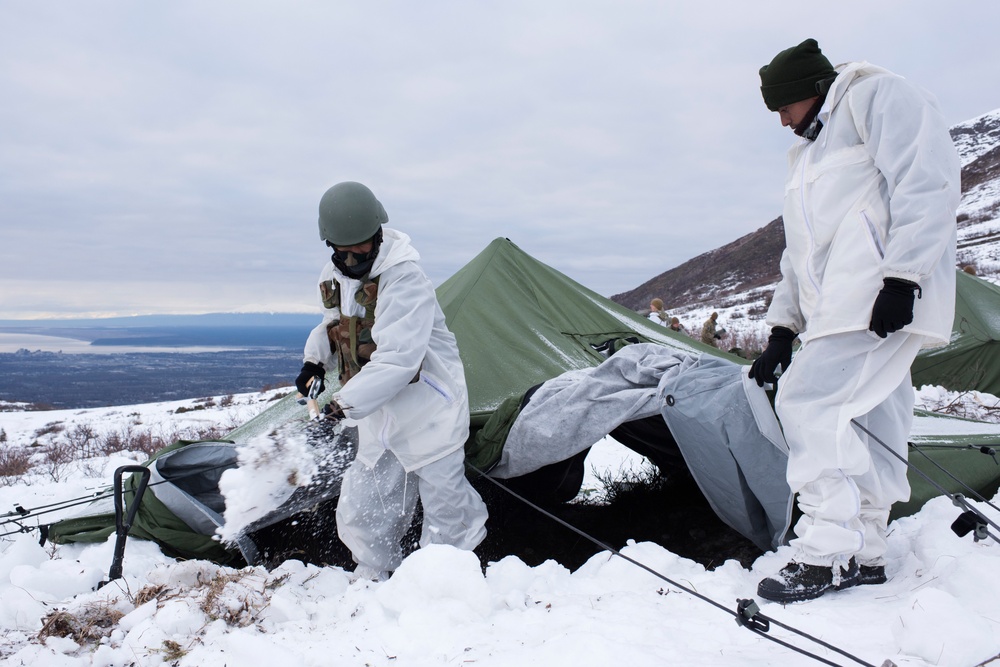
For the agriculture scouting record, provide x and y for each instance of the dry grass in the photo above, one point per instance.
(172, 651)
(50, 428)
(147, 593)
(236, 597)
(88, 626)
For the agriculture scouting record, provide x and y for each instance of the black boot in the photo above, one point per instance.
(798, 581)
(872, 574)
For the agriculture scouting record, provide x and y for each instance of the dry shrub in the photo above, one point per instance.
(14, 462)
(57, 458)
(130, 439)
(36, 407)
(51, 427)
(90, 625)
(83, 439)
(627, 484)
(83, 443)
(276, 385)
(750, 342)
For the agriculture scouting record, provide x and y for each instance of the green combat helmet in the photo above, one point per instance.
(349, 214)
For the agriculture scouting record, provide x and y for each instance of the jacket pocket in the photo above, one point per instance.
(440, 387)
(878, 247)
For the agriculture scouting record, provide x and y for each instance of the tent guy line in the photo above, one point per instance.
(20, 513)
(747, 614)
(971, 513)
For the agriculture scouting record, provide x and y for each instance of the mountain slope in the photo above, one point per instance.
(742, 274)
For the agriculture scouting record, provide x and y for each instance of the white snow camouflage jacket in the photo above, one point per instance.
(419, 422)
(873, 197)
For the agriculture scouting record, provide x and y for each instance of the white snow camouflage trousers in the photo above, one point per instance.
(376, 508)
(845, 481)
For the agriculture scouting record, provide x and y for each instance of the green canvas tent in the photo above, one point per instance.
(972, 359)
(179, 510)
(520, 324)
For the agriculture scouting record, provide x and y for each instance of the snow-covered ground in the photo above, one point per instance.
(941, 605)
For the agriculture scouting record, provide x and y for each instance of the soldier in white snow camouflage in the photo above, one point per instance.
(867, 279)
(403, 384)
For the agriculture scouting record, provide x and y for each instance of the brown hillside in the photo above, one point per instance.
(735, 273)
(747, 263)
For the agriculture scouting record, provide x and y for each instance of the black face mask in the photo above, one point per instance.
(356, 265)
(810, 127)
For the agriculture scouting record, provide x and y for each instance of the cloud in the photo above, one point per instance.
(151, 147)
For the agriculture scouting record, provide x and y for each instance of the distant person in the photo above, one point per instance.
(675, 325)
(656, 312)
(710, 332)
(867, 279)
(402, 381)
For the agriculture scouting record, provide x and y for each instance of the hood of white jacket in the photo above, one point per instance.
(395, 249)
(846, 74)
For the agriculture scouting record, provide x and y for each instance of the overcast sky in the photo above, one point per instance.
(170, 156)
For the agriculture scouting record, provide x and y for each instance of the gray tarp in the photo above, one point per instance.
(723, 424)
(186, 481)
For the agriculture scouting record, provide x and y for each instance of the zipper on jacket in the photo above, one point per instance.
(436, 386)
(805, 219)
(876, 241)
(383, 434)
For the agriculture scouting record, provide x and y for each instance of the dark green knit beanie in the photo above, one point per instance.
(793, 74)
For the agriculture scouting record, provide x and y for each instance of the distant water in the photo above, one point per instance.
(12, 342)
(80, 380)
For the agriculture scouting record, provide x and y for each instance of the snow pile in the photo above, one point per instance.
(938, 608)
(968, 404)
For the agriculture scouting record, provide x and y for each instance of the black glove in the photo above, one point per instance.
(893, 307)
(778, 352)
(310, 370)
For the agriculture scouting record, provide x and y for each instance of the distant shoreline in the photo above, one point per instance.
(11, 343)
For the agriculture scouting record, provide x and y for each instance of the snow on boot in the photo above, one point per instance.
(872, 574)
(798, 581)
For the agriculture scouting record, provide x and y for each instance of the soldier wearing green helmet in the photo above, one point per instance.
(402, 384)
(349, 213)
(350, 217)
